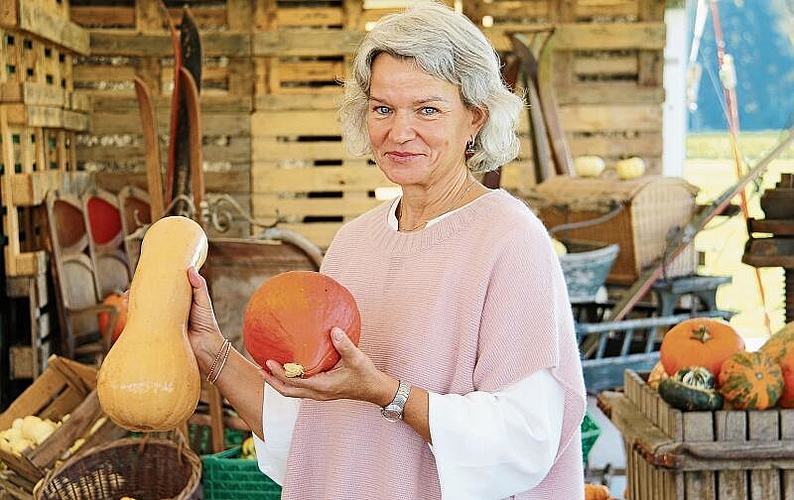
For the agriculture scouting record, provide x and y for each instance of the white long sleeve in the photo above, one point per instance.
(278, 420)
(483, 442)
(492, 445)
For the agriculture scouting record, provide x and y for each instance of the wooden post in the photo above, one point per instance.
(10, 221)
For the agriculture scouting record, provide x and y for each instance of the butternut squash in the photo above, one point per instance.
(150, 380)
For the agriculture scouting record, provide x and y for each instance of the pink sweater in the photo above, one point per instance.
(475, 302)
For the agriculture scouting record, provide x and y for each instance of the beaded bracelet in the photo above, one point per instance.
(217, 358)
(223, 362)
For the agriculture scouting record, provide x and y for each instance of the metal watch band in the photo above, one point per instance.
(394, 410)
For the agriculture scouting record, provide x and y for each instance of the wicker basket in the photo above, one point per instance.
(143, 469)
(638, 215)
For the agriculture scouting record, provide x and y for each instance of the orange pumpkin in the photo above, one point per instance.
(705, 342)
(289, 319)
(118, 301)
(780, 347)
(596, 492)
(750, 381)
(657, 374)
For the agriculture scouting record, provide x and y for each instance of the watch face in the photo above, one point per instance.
(391, 415)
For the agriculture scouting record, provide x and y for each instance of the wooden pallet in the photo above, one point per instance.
(608, 61)
(305, 173)
(46, 20)
(28, 360)
(723, 455)
(65, 387)
(608, 64)
(114, 147)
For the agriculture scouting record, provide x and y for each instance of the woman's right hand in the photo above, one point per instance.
(203, 332)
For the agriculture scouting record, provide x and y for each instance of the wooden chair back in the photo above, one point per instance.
(106, 242)
(74, 275)
(136, 214)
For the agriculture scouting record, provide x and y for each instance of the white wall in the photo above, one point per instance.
(675, 110)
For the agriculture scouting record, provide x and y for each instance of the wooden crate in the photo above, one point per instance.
(34, 159)
(638, 215)
(607, 63)
(218, 15)
(304, 172)
(65, 387)
(28, 359)
(725, 455)
(113, 149)
(46, 20)
(39, 116)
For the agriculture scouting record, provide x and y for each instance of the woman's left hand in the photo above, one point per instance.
(353, 377)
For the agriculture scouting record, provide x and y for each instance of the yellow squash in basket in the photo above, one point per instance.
(150, 380)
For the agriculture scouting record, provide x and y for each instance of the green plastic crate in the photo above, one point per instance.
(590, 432)
(201, 438)
(226, 476)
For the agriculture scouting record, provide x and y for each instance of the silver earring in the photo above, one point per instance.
(470, 149)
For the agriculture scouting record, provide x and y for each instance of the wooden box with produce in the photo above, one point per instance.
(50, 421)
(689, 434)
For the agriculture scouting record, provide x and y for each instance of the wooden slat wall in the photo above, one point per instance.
(271, 75)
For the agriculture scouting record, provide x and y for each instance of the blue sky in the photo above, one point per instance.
(760, 36)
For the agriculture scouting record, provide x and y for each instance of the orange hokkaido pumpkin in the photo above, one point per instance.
(289, 319)
(116, 300)
(596, 492)
(780, 347)
(750, 381)
(705, 342)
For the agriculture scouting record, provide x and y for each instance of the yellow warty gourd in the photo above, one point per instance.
(150, 380)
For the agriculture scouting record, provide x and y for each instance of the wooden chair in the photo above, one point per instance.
(106, 242)
(74, 275)
(136, 214)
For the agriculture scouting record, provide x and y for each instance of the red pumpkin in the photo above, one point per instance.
(705, 342)
(290, 316)
(751, 381)
(780, 347)
(118, 301)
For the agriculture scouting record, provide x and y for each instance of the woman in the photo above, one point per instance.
(466, 383)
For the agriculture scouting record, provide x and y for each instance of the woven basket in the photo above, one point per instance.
(143, 469)
(638, 215)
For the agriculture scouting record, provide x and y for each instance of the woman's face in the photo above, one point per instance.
(418, 125)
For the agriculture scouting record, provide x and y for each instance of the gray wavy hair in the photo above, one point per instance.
(446, 45)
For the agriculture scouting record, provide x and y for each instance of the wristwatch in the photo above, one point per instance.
(394, 410)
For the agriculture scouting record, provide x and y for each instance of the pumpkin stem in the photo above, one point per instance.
(293, 370)
(701, 333)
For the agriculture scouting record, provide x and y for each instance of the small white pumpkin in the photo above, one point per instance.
(588, 165)
(559, 247)
(630, 168)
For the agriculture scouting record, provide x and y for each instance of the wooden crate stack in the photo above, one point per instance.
(40, 115)
(701, 455)
(132, 40)
(608, 62)
(270, 92)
